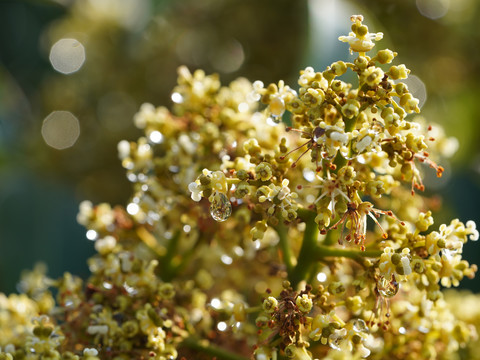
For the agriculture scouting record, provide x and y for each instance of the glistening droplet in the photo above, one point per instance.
(334, 342)
(359, 325)
(387, 288)
(220, 208)
(277, 106)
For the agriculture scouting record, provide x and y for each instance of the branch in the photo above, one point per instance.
(307, 251)
(282, 232)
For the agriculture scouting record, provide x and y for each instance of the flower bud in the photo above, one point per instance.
(385, 56)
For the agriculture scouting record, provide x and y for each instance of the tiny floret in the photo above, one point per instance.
(359, 38)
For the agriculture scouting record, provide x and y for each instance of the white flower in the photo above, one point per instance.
(361, 44)
(284, 190)
(363, 144)
(338, 136)
(194, 188)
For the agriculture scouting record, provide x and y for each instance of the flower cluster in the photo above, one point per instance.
(245, 237)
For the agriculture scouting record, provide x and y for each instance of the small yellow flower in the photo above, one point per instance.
(359, 38)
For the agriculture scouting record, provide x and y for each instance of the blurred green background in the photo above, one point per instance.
(73, 73)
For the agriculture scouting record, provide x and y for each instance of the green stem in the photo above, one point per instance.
(174, 270)
(282, 232)
(305, 214)
(167, 263)
(307, 251)
(232, 181)
(331, 238)
(215, 351)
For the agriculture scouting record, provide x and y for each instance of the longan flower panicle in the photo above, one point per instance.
(169, 282)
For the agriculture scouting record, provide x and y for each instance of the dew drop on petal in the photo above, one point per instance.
(359, 325)
(273, 120)
(277, 106)
(220, 208)
(334, 342)
(387, 288)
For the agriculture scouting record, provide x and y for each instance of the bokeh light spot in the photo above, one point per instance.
(67, 55)
(417, 88)
(433, 9)
(222, 326)
(229, 57)
(321, 277)
(60, 129)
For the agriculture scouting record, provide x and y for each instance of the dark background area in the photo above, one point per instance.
(132, 51)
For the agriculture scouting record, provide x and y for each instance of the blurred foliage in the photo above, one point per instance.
(132, 51)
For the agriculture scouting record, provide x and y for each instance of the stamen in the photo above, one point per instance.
(295, 162)
(291, 151)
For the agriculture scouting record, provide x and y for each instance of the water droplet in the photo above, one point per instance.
(220, 208)
(277, 106)
(359, 325)
(387, 288)
(334, 342)
(273, 120)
